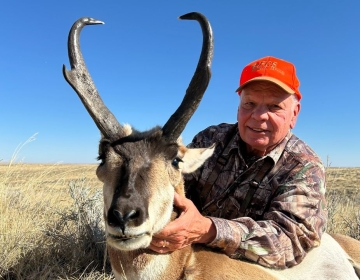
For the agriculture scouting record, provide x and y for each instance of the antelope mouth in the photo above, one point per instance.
(123, 238)
(129, 242)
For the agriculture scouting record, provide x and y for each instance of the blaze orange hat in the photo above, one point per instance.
(274, 70)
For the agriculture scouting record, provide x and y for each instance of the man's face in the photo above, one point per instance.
(266, 113)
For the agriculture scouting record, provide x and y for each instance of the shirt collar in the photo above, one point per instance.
(274, 154)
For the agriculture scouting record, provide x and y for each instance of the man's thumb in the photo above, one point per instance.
(180, 201)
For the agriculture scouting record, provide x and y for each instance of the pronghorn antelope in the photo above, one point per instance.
(141, 171)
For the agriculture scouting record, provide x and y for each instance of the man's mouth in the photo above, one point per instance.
(258, 129)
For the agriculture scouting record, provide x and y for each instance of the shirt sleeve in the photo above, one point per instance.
(292, 225)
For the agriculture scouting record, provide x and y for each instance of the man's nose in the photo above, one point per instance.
(260, 112)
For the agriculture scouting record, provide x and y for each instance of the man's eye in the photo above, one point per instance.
(248, 105)
(176, 162)
(275, 107)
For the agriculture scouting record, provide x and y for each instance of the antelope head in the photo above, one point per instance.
(140, 170)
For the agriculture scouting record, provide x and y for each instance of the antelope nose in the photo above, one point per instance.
(116, 218)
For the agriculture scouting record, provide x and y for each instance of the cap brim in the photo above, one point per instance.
(269, 79)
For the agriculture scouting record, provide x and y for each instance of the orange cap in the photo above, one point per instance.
(274, 70)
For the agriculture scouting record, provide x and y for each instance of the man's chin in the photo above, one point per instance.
(257, 147)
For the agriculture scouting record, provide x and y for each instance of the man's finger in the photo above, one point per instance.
(172, 228)
(180, 201)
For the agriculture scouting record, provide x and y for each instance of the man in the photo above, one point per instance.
(261, 195)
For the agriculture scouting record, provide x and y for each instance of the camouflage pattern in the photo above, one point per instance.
(287, 213)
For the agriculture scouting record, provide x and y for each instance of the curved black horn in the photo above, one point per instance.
(80, 80)
(199, 82)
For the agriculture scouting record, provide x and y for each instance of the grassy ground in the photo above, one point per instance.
(51, 219)
(343, 197)
(51, 223)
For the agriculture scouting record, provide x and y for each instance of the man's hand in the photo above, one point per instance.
(190, 227)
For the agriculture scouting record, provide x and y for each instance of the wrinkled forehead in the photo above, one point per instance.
(265, 95)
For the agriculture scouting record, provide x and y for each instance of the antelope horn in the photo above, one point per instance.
(198, 84)
(80, 80)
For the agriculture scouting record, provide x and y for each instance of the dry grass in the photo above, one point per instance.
(343, 196)
(51, 223)
(51, 219)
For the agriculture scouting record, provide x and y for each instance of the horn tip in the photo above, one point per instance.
(191, 15)
(91, 21)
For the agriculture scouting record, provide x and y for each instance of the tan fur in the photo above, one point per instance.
(127, 129)
(212, 265)
(352, 248)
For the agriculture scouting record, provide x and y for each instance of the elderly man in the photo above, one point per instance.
(261, 195)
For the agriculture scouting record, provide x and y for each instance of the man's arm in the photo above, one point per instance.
(293, 224)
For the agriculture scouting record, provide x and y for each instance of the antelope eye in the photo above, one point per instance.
(176, 162)
(102, 158)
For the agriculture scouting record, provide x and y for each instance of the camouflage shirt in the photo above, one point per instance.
(285, 216)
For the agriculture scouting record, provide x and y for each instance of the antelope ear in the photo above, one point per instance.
(194, 158)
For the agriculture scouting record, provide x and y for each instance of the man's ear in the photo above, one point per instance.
(296, 111)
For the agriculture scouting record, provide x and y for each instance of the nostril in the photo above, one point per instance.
(115, 218)
(118, 216)
(131, 215)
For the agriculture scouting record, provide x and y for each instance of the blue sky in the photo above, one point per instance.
(143, 58)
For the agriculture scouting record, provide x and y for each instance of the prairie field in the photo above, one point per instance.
(51, 223)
